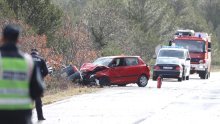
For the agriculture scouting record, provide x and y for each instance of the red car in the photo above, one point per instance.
(117, 70)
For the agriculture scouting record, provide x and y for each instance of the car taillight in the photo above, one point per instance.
(178, 68)
(156, 68)
(202, 61)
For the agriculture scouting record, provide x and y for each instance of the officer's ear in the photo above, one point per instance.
(2, 40)
(18, 41)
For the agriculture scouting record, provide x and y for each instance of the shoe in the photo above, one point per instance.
(41, 119)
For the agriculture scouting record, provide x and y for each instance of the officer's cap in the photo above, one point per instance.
(11, 32)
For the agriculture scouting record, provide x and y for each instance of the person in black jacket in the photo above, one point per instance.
(20, 80)
(40, 62)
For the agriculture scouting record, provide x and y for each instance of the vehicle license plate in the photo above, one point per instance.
(167, 67)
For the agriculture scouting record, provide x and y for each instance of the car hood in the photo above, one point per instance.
(87, 67)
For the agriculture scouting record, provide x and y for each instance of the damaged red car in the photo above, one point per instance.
(116, 70)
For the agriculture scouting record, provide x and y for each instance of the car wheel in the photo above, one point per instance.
(142, 81)
(208, 75)
(104, 81)
(180, 79)
(122, 85)
(204, 75)
(154, 78)
(187, 77)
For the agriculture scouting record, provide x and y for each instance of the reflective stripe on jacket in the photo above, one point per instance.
(14, 83)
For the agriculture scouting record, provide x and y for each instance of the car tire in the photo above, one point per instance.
(187, 77)
(204, 75)
(180, 79)
(208, 75)
(192, 72)
(142, 81)
(104, 81)
(154, 78)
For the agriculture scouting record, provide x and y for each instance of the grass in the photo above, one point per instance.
(51, 97)
(58, 89)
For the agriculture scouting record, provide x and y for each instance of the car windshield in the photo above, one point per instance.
(191, 45)
(163, 60)
(171, 53)
(102, 61)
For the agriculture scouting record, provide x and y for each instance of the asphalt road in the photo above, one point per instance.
(188, 102)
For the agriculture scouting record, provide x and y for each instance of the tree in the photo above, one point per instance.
(5, 11)
(105, 22)
(41, 14)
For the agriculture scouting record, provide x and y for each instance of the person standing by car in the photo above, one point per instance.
(40, 62)
(20, 80)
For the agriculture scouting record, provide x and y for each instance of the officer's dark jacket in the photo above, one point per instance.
(39, 61)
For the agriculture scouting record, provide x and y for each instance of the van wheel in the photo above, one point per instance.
(142, 81)
(104, 81)
(204, 74)
(187, 77)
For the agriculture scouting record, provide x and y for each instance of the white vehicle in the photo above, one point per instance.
(172, 62)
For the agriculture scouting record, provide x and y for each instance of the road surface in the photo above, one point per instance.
(190, 102)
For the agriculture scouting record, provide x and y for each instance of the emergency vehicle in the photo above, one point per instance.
(199, 46)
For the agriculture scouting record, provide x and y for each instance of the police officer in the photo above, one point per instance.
(39, 61)
(20, 80)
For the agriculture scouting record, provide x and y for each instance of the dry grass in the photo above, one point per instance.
(64, 94)
(58, 89)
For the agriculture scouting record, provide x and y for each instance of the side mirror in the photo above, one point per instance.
(209, 47)
(188, 58)
(170, 43)
(113, 65)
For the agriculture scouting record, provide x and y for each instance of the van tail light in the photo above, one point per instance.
(156, 67)
(178, 68)
(202, 61)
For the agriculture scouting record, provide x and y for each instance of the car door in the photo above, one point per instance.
(132, 69)
(116, 70)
